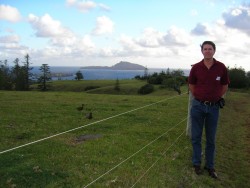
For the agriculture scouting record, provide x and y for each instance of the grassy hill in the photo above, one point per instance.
(127, 87)
(131, 140)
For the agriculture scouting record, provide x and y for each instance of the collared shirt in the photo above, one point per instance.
(208, 82)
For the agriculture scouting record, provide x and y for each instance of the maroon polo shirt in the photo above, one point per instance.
(208, 82)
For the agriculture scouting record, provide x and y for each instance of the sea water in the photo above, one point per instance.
(69, 73)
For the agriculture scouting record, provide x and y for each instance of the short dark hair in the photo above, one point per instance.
(210, 43)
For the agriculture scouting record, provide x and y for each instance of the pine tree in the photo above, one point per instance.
(5, 76)
(44, 78)
(18, 76)
(79, 75)
(117, 85)
(27, 73)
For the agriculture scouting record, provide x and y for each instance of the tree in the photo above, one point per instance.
(27, 73)
(117, 85)
(237, 77)
(248, 79)
(5, 76)
(79, 75)
(169, 82)
(248, 74)
(177, 72)
(146, 73)
(44, 78)
(18, 74)
(146, 89)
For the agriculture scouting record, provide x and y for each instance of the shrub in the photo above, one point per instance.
(238, 78)
(91, 87)
(146, 89)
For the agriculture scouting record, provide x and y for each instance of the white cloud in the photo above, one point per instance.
(47, 27)
(104, 7)
(176, 37)
(155, 40)
(70, 2)
(174, 47)
(232, 44)
(9, 13)
(238, 18)
(62, 41)
(129, 44)
(150, 38)
(103, 25)
(11, 49)
(107, 52)
(86, 6)
(10, 39)
(10, 45)
(200, 29)
(142, 47)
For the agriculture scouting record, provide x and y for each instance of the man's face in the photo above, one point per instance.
(208, 51)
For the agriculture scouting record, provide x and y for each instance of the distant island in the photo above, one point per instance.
(122, 65)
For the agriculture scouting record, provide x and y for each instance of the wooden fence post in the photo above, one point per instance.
(188, 129)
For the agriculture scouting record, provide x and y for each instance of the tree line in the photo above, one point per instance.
(16, 78)
(165, 79)
(239, 79)
(19, 77)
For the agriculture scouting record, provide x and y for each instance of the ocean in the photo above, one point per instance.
(68, 73)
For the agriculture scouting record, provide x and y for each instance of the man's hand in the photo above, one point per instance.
(221, 102)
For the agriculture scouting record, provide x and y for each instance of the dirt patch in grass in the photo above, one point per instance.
(86, 137)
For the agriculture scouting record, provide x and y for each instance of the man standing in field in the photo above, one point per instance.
(208, 82)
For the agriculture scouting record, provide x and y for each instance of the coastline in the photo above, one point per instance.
(68, 73)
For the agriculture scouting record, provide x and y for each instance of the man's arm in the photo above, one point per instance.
(191, 88)
(224, 89)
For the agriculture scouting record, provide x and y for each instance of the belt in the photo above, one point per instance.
(207, 102)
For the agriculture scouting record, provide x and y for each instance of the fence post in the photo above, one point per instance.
(188, 129)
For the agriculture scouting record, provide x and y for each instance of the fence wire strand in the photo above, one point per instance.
(158, 159)
(52, 136)
(134, 154)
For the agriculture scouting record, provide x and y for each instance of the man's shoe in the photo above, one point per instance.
(197, 169)
(211, 172)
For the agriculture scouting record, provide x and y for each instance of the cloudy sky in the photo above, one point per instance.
(152, 33)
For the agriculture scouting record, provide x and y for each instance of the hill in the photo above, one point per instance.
(122, 65)
(136, 134)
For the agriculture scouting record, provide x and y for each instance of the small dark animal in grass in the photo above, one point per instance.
(80, 108)
(89, 115)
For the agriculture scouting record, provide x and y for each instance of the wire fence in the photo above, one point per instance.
(134, 154)
(96, 122)
(129, 157)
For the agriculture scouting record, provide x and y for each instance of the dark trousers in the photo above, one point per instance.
(204, 115)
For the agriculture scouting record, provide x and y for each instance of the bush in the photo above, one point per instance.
(238, 78)
(168, 83)
(91, 87)
(155, 79)
(146, 89)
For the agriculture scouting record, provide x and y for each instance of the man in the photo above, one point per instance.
(208, 82)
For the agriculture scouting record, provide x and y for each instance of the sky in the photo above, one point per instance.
(152, 33)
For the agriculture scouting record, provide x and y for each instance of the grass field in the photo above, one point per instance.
(132, 140)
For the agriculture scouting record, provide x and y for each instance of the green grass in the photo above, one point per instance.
(104, 85)
(62, 162)
(127, 87)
